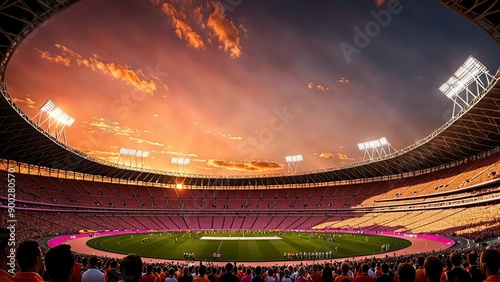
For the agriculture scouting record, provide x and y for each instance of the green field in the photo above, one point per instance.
(164, 245)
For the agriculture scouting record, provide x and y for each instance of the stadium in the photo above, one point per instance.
(439, 194)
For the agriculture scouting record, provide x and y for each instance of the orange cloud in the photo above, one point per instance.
(103, 155)
(182, 29)
(225, 30)
(136, 78)
(54, 58)
(342, 80)
(141, 140)
(256, 166)
(174, 153)
(104, 126)
(326, 155)
(344, 157)
(319, 87)
(28, 101)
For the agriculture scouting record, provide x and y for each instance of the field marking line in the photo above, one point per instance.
(219, 246)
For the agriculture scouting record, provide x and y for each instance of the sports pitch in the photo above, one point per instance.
(248, 246)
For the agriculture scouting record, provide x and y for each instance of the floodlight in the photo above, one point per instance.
(56, 112)
(179, 186)
(145, 154)
(465, 75)
(181, 161)
(124, 151)
(376, 148)
(138, 153)
(132, 152)
(294, 162)
(48, 106)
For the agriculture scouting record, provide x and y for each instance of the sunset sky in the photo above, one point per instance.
(238, 85)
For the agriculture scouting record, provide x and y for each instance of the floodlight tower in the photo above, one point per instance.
(56, 120)
(294, 163)
(180, 164)
(133, 157)
(473, 77)
(376, 148)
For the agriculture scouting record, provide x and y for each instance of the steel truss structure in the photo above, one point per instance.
(474, 131)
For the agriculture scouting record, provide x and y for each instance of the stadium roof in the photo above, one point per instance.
(472, 132)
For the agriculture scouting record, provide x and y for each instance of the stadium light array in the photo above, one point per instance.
(463, 77)
(180, 164)
(181, 161)
(56, 120)
(376, 148)
(470, 72)
(293, 162)
(133, 157)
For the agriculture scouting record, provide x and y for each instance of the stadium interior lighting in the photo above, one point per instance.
(294, 162)
(56, 120)
(181, 161)
(48, 106)
(179, 186)
(457, 86)
(376, 148)
(180, 164)
(133, 157)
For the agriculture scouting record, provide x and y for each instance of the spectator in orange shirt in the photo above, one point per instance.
(149, 276)
(344, 267)
(420, 272)
(364, 277)
(29, 259)
(202, 270)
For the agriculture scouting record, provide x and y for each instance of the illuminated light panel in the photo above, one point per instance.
(373, 144)
(294, 158)
(48, 106)
(181, 161)
(465, 75)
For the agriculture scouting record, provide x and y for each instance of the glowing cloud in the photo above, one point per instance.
(136, 78)
(257, 166)
(104, 126)
(319, 87)
(225, 30)
(326, 155)
(103, 155)
(182, 29)
(28, 101)
(344, 157)
(58, 59)
(140, 140)
(342, 80)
